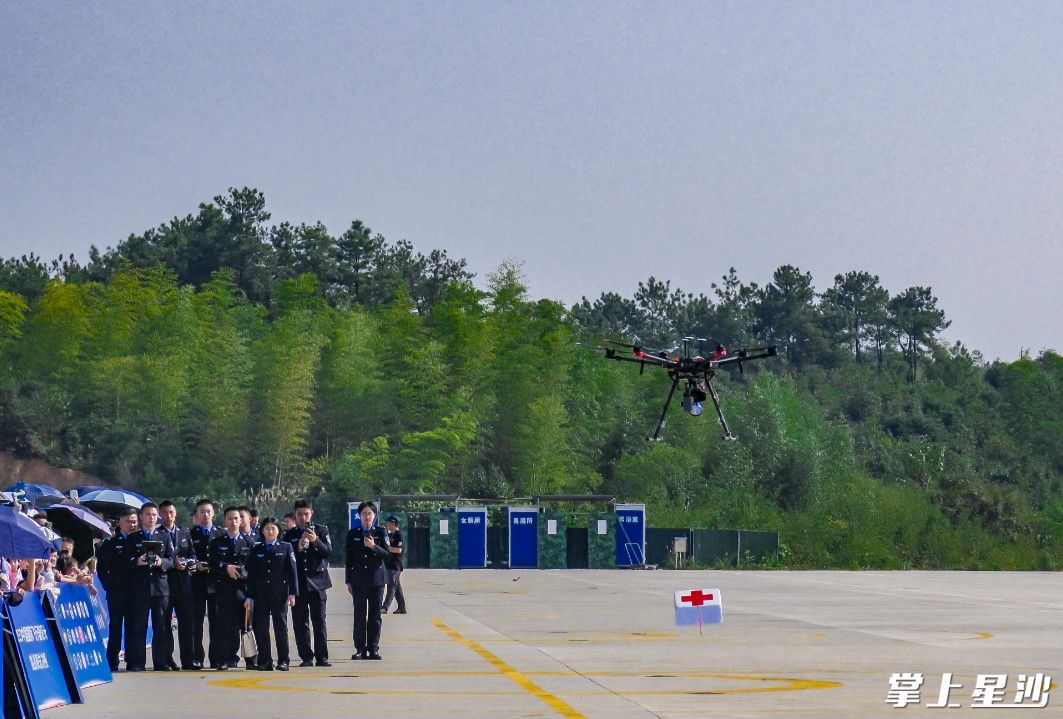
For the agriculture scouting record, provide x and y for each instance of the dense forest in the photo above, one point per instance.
(220, 354)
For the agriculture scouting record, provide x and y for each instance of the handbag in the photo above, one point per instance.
(248, 643)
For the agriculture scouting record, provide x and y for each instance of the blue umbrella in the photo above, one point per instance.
(21, 537)
(35, 491)
(86, 488)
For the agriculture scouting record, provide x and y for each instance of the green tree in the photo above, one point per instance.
(917, 320)
(857, 298)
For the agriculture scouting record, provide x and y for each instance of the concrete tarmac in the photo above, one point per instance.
(578, 643)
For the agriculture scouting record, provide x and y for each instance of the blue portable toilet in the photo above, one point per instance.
(472, 537)
(523, 537)
(630, 535)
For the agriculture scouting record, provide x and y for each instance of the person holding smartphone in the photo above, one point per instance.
(366, 574)
(313, 546)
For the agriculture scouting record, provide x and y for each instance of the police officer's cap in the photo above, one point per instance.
(393, 518)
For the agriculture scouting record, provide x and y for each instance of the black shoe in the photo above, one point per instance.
(191, 669)
(221, 668)
(282, 666)
(264, 667)
(135, 669)
(324, 663)
(400, 611)
(233, 665)
(196, 665)
(383, 610)
(358, 655)
(373, 655)
(306, 663)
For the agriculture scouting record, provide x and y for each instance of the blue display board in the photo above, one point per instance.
(630, 535)
(39, 655)
(472, 537)
(523, 537)
(82, 630)
(99, 606)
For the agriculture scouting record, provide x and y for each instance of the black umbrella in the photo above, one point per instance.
(80, 524)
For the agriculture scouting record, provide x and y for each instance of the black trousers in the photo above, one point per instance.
(277, 611)
(118, 611)
(181, 604)
(395, 590)
(161, 639)
(367, 602)
(230, 612)
(310, 607)
(203, 607)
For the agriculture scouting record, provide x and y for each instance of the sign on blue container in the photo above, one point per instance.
(523, 537)
(630, 535)
(38, 654)
(82, 629)
(472, 537)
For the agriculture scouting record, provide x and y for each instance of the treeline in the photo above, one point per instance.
(216, 354)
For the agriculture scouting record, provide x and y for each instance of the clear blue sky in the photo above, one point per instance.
(597, 143)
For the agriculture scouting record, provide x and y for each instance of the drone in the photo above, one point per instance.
(696, 371)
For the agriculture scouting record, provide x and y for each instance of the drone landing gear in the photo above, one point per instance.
(664, 412)
(719, 412)
(695, 393)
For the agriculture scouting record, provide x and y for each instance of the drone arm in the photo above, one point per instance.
(643, 359)
(664, 412)
(745, 355)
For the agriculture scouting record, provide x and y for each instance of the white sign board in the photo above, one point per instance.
(444, 526)
(551, 526)
(603, 526)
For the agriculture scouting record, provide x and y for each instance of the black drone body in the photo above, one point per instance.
(697, 371)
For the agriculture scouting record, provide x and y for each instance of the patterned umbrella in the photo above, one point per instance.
(21, 537)
(109, 501)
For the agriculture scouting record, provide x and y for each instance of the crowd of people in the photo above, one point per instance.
(227, 582)
(19, 576)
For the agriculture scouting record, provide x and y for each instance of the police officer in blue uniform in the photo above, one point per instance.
(180, 580)
(394, 567)
(272, 583)
(227, 554)
(151, 593)
(203, 586)
(367, 549)
(312, 549)
(115, 575)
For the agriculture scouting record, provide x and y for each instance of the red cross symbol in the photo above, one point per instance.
(696, 598)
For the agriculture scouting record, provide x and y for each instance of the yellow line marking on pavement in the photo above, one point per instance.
(258, 683)
(790, 684)
(510, 673)
(981, 635)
